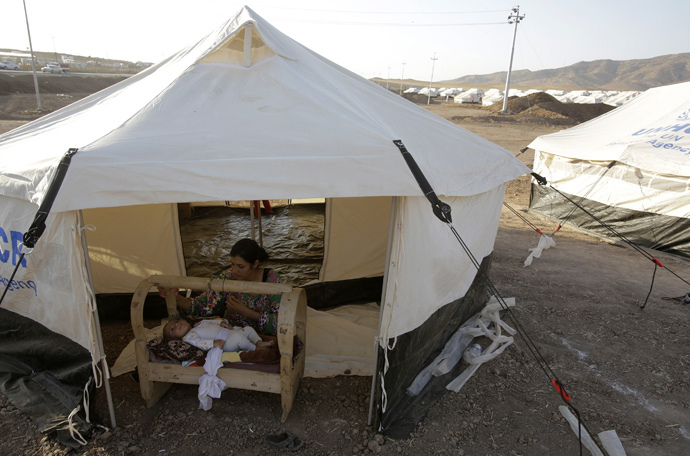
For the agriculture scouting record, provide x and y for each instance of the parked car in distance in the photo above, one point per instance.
(53, 68)
(9, 66)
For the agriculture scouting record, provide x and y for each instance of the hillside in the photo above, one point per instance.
(599, 74)
(640, 74)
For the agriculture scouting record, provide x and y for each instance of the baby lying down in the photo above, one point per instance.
(212, 333)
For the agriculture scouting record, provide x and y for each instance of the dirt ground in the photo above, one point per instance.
(626, 368)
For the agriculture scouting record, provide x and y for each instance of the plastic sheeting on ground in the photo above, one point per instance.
(292, 237)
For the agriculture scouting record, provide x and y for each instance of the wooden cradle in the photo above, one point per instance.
(155, 378)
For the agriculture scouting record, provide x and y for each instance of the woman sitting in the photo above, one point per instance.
(259, 311)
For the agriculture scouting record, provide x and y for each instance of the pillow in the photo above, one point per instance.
(173, 350)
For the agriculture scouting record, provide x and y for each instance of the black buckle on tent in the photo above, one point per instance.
(441, 209)
(541, 180)
(38, 226)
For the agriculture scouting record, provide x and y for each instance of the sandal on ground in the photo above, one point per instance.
(284, 441)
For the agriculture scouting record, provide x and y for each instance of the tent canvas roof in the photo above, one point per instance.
(244, 113)
(650, 132)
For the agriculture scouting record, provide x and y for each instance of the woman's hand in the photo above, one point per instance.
(164, 292)
(220, 343)
(183, 303)
(236, 306)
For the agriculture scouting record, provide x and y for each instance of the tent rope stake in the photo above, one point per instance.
(441, 212)
(38, 226)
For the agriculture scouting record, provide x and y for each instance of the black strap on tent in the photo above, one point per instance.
(543, 364)
(38, 226)
(441, 209)
(541, 180)
(522, 151)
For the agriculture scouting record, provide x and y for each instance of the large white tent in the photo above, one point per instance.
(246, 113)
(629, 168)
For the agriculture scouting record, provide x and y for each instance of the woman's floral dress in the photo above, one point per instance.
(211, 303)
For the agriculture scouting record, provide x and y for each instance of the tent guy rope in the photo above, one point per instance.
(634, 246)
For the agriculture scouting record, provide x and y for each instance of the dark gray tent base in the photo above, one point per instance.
(416, 349)
(43, 374)
(654, 231)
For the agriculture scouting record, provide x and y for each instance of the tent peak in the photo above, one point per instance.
(241, 46)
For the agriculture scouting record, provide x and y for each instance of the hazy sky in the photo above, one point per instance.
(372, 37)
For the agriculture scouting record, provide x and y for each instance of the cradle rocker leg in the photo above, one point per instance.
(151, 391)
(291, 323)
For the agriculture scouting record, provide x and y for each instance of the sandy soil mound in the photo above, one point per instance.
(543, 105)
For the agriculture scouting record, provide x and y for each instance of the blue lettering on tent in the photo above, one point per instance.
(672, 137)
(667, 145)
(14, 244)
(4, 253)
(679, 127)
(17, 242)
(18, 284)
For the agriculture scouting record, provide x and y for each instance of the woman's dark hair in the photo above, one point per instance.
(249, 251)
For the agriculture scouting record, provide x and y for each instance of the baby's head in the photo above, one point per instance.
(176, 329)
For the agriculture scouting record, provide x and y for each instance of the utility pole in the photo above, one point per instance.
(55, 51)
(433, 62)
(402, 76)
(514, 18)
(33, 61)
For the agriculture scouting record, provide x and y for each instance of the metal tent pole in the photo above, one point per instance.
(251, 219)
(261, 234)
(374, 377)
(97, 324)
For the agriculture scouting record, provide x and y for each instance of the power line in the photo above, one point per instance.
(391, 24)
(416, 13)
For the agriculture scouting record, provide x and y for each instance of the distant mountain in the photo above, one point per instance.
(600, 74)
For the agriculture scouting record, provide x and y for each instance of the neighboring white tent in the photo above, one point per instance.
(492, 96)
(246, 113)
(620, 98)
(426, 91)
(470, 96)
(645, 195)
